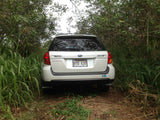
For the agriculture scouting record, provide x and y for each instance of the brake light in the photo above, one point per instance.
(109, 58)
(46, 59)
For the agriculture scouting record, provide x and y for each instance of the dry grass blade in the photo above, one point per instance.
(139, 91)
(147, 100)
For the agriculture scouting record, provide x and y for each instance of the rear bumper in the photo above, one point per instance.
(51, 79)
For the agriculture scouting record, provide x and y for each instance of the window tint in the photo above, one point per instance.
(76, 44)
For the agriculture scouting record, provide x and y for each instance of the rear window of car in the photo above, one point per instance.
(69, 43)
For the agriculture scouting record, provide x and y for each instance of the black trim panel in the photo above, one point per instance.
(79, 73)
(78, 82)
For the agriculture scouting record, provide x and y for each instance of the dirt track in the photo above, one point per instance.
(111, 105)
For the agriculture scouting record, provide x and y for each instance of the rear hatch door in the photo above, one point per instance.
(79, 61)
(77, 54)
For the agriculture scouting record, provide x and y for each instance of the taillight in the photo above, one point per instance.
(46, 59)
(109, 58)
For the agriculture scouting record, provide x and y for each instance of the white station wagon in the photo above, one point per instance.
(77, 59)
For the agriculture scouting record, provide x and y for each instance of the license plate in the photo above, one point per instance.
(80, 63)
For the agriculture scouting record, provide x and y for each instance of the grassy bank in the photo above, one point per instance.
(19, 80)
(138, 74)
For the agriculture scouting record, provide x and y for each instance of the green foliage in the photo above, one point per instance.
(71, 109)
(23, 25)
(133, 23)
(130, 31)
(137, 75)
(19, 79)
(136, 66)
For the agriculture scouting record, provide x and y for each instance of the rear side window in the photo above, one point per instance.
(69, 43)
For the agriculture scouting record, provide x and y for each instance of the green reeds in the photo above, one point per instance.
(134, 65)
(138, 74)
(18, 79)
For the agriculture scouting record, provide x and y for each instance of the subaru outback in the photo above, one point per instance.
(77, 59)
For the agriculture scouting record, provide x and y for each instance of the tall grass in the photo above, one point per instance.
(136, 65)
(19, 78)
(138, 74)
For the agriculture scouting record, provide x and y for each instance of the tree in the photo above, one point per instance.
(124, 23)
(23, 25)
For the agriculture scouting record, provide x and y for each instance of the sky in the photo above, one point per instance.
(73, 12)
